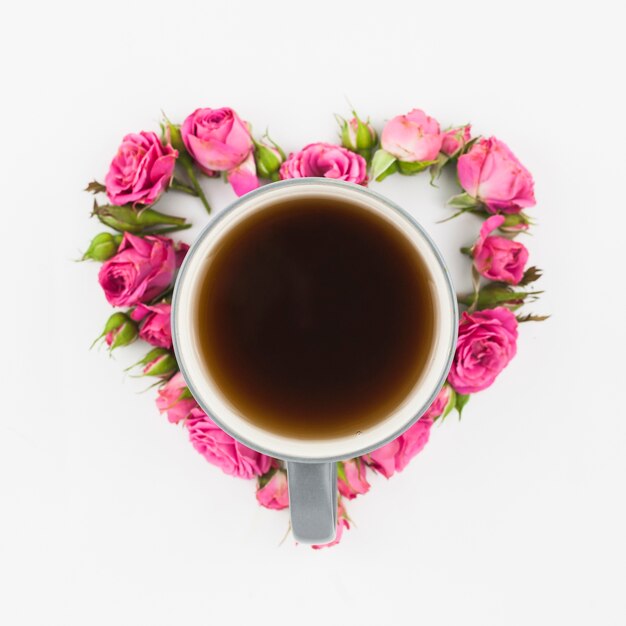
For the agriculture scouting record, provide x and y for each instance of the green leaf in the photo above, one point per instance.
(463, 201)
(461, 400)
(451, 404)
(95, 187)
(437, 167)
(408, 169)
(532, 318)
(531, 275)
(382, 165)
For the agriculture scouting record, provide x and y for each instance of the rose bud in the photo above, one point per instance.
(156, 328)
(498, 258)
(268, 158)
(486, 343)
(141, 170)
(175, 399)
(515, 223)
(272, 490)
(102, 247)
(455, 139)
(493, 177)
(351, 479)
(357, 135)
(158, 362)
(128, 219)
(443, 403)
(119, 330)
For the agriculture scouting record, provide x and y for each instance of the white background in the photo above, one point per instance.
(513, 516)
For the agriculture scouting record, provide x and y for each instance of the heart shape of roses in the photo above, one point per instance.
(139, 263)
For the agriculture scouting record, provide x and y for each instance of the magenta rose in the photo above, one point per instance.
(220, 449)
(498, 258)
(455, 139)
(351, 479)
(395, 456)
(156, 328)
(142, 268)
(175, 399)
(437, 408)
(342, 522)
(412, 138)
(326, 160)
(141, 170)
(491, 173)
(274, 494)
(487, 342)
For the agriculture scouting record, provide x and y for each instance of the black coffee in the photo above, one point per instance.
(315, 318)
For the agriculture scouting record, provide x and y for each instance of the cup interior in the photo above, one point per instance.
(207, 393)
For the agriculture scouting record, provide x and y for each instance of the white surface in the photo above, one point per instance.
(513, 516)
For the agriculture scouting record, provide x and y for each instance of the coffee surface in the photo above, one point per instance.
(315, 318)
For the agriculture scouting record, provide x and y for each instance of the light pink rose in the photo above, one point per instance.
(326, 160)
(491, 173)
(142, 268)
(274, 494)
(498, 258)
(220, 449)
(156, 328)
(352, 480)
(455, 139)
(141, 170)
(174, 399)
(437, 408)
(412, 138)
(487, 342)
(395, 456)
(342, 522)
(217, 139)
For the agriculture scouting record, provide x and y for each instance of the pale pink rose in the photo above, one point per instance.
(491, 173)
(487, 342)
(326, 160)
(342, 522)
(156, 328)
(217, 139)
(395, 456)
(141, 170)
(352, 480)
(498, 258)
(412, 138)
(243, 178)
(142, 268)
(274, 494)
(440, 403)
(455, 139)
(220, 449)
(174, 399)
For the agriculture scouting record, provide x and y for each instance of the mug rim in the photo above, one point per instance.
(181, 358)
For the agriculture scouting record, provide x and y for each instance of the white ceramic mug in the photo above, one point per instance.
(311, 464)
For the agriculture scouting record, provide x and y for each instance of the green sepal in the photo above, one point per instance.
(383, 164)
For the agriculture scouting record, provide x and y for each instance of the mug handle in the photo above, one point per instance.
(313, 501)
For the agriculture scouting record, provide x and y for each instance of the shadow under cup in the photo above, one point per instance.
(369, 398)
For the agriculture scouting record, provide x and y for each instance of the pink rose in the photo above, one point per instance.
(141, 170)
(220, 142)
(342, 522)
(412, 138)
(351, 479)
(220, 449)
(498, 258)
(274, 494)
(395, 456)
(175, 399)
(437, 408)
(156, 328)
(455, 139)
(486, 344)
(326, 160)
(142, 268)
(491, 173)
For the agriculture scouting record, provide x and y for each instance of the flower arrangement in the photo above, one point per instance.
(139, 263)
